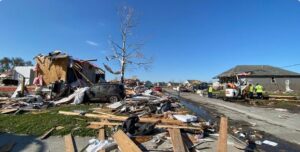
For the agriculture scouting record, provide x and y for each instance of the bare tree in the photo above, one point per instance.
(126, 53)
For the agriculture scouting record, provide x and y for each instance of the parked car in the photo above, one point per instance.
(106, 92)
(159, 89)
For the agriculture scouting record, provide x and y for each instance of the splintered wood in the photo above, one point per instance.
(69, 143)
(222, 140)
(177, 141)
(125, 143)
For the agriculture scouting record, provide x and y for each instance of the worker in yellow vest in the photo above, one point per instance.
(259, 91)
(210, 91)
(251, 91)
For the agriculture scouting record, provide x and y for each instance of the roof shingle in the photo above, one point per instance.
(257, 70)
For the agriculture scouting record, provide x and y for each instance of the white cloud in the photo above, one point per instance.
(91, 43)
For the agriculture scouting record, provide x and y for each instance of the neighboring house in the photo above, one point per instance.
(60, 66)
(23, 71)
(272, 78)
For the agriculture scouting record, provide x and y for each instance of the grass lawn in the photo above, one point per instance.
(36, 124)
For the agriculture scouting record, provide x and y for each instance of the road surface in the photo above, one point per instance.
(281, 124)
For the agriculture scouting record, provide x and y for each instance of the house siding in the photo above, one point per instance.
(268, 85)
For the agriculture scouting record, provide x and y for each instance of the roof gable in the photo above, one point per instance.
(257, 70)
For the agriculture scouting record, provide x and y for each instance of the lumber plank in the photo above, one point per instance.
(69, 143)
(145, 120)
(125, 143)
(69, 113)
(47, 133)
(101, 136)
(222, 140)
(177, 141)
(6, 111)
(96, 125)
(103, 113)
(93, 126)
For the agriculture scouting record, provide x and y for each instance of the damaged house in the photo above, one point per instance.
(58, 66)
(272, 78)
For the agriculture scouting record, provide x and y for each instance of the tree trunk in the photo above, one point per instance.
(122, 71)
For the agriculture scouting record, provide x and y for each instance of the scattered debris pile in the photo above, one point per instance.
(56, 78)
(146, 122)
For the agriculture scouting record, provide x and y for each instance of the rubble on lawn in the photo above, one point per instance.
(57, 78)
(145, 122)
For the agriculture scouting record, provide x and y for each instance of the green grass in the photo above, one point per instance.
(38, 124)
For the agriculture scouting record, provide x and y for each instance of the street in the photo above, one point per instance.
(281, 124)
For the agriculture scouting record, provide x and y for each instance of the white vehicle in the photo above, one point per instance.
(236, 92)
(231, 93)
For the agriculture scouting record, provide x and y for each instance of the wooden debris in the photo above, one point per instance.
(92, 126)
(7, 147)
(222, 140)
(46, 134)
(4, 98)
(69, 143)
(101, 136)
(96, 125)
(141, 139)
(115, 105)
(123, 118)
(69, 113)
(125, 143)
(6, 111)
(59, 127)
(177, 141)
(145, 120)
(103, 113)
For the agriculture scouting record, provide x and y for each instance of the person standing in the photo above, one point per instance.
(210, 91)
(251, 91)
(259, 91)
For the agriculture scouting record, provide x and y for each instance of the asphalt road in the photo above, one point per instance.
(281, 124)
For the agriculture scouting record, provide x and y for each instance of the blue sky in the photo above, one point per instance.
(195, 39)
